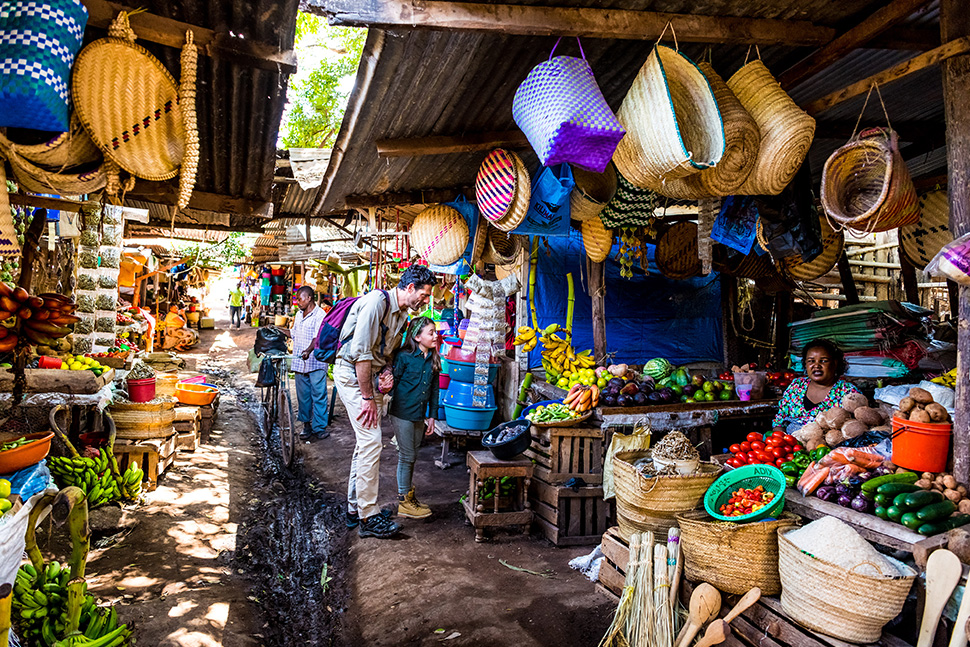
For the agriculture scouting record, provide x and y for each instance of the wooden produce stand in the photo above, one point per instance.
(51, 380)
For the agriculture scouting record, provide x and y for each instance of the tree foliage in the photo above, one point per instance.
(318, 94)
(214, 255)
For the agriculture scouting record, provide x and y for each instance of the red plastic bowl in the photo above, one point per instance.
(14, 460)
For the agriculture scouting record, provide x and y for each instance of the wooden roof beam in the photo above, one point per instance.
(165, 31)
(166, 193)
(922, 40)
(896, 72)
(877, 23)
(609, 24)
(447, 144)
(424, 196)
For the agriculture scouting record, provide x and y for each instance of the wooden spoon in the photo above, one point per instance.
(743, 604)
(959, 636)
(705, 604)
(943, 572)
(717, 632)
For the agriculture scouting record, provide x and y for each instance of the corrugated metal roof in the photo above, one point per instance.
(469, 87)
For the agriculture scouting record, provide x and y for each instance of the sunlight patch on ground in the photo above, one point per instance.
(182, 608)
(186, 638)
(218, 612)
(138, 581)
(222, 343)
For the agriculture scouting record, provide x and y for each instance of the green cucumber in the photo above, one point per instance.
(910, 520)
(881, 512)
(892, 489)
(894, 513)
(943, 526)
(904, 477)
(936, 511)
(921, 499)
(883, 499)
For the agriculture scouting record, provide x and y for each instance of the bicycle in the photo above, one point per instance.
(278, 408)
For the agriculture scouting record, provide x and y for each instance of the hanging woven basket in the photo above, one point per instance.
(439, 234)
(597, 239)
(832, 244)
(591, 193)
(673, 124)
(631, 206)
(502, 189)
(677, 256)
(866, 185)
(481, 238)
(501, 248)
(921, 241)
(786, 130)
(65, 151)
(72, 182)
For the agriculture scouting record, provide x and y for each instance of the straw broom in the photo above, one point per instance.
(640, 622)
(618, 634)
(663, 629)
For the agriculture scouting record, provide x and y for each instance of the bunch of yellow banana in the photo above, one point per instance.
(527, 338)
(582, 398)
(558, 355)
(948, 379)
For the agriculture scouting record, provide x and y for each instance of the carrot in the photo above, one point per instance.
(813, 477)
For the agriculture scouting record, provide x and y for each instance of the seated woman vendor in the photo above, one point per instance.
(820, 390)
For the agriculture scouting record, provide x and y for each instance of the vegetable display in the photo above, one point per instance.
(37, 319)
(551, 413)
(775, 448)
(851, 419)
(745, 501)
(919, 406)
(96, 477)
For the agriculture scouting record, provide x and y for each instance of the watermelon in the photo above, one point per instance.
(658, 368)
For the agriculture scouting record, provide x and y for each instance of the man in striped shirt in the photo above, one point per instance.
(311, 375)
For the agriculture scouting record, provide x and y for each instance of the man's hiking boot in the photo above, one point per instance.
(411, 508)
(353, 520)
(378, 526)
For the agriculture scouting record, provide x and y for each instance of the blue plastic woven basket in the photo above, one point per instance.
(748, 476)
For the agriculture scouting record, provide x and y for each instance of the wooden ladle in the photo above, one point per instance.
(705, 604)
(943, 572)
(717, 632)
(746, 601)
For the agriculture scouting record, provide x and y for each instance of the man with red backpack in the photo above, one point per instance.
(362, 372)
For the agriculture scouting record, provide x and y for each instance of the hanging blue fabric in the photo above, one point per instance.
(737, 223)
(548, 213)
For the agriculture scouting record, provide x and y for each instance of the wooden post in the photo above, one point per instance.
(909, 279)
(597, 294)
(954, 24)
(783, 313)
(848, 283)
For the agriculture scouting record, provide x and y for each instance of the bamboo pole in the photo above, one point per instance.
(533, 262)
(570, 302)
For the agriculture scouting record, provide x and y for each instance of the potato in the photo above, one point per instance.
(836, 417)
(937, 412)
(924, 484)
(901, 470)
(939, 480)
(906, 405)
(854, 429)
(962, 490)
(821, 421)
(918, 415)
(853, 401)
(952, 495)
(868, 416)
(964, 506)
(938, 487)
(929, 476)
(949, 481)
(833, 437)
(883, 428)
(922, 396)
(902, 415)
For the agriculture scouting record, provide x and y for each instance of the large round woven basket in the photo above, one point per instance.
(597, 239)
(64, 151)
(921, 241)
(751, 266)
(502, 189)
(129, 104)
(786, 130)
(523, 194)
(733, 557)
(673, 124)
(677, 255)
(591, 193)
(652, 504)
(834, 601)
(501, 248)
(832, 244)
(142, 420)
(866, 185)
(439, 234)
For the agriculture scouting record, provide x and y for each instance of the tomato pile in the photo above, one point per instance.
(774, 450)
(744, 501)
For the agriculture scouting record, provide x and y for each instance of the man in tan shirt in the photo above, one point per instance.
(362, 373)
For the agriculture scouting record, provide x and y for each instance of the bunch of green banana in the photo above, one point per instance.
(948, 379)
(94, 476)
(131, 481)
(558, 355)
(527, 338)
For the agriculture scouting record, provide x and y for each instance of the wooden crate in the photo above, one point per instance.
(568, 517)
(188, 441)
(562, 453)
(50, 380)
(153, 456)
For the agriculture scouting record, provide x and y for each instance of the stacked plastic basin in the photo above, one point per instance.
(457, 399)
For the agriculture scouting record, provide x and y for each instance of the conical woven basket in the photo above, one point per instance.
(597, 239)
(677, 256)
(834, 601)
(129, 104)
(591, 193)
(439, 234)
(921, 241)
(866, 185)
(501, 248)
(832, 244)
(786, 130)
(653, 503)
(65, 151)
(673, 124)
(742, 140)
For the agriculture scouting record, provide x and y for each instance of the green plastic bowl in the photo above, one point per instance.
(749, 476)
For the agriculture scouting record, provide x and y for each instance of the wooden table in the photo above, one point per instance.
(446, 432)
(489, 513)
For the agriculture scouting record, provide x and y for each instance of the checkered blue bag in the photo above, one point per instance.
(563, 114)
(38, 42)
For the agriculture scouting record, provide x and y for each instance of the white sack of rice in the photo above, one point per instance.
(835, 542)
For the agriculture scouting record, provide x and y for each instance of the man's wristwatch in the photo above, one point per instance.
(363, 398)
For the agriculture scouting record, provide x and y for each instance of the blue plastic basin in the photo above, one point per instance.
(469, 419)
(465, 371)
(460, 395)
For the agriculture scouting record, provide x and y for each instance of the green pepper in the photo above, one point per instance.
(802, 459)
(789, 467)
(790, 480)
(819, 452)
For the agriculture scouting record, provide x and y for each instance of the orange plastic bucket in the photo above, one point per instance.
(921, 446)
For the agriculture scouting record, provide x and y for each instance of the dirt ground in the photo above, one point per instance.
(231, 549)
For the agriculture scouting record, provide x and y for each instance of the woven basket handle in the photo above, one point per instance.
(581, 52)
(875, 566)
(862, 112)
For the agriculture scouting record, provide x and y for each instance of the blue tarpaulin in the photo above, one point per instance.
(646, 316)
